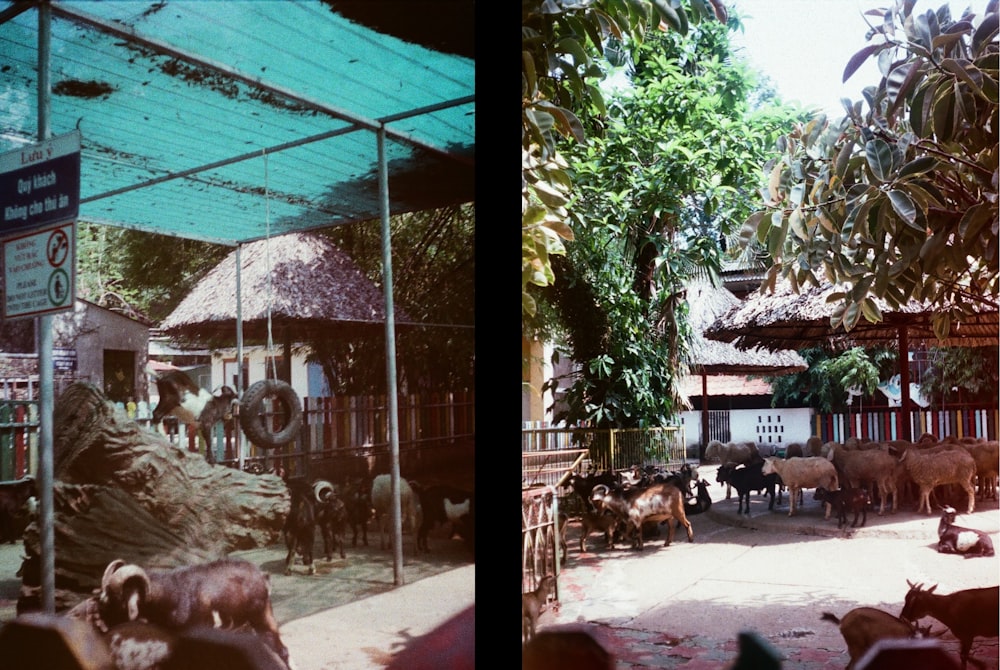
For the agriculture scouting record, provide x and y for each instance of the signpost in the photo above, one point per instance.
(39, 272)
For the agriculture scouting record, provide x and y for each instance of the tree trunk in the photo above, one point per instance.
(123, 491)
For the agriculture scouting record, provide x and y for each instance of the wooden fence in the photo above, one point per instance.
(883, 423)
(340, 437)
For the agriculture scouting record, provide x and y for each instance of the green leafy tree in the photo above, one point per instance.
(653, 193)
(897, 199)
(824, 385)
(961, 374)
(562, 42)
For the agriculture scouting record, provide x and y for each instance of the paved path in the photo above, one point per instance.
(683, 606)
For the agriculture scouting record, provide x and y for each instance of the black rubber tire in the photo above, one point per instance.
(252, 413)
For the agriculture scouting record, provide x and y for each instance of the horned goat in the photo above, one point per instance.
(968, 614)
(228, 593)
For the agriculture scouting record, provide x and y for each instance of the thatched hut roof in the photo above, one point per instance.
(309, 284)
(786, 319)
(706, 304)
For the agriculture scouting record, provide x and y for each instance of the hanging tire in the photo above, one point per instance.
(254, 417)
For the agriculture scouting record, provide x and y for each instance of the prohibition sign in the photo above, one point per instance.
(58, 287)
(57, 249)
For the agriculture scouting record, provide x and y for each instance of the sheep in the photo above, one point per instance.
(812, 447)
(738, 453)
(929, 470)
(845, 500)
(746, 479)
(409, 505)
(806, 472)
(862, 627)
(229, 593)
(954, 539)
(874, 467)
(532, 605)
(987, 458)
(968, 614)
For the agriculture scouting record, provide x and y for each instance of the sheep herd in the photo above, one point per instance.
(929, 475)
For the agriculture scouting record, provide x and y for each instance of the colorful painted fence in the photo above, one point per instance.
(883, 424)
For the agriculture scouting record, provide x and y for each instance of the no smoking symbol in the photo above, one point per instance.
(57, 249)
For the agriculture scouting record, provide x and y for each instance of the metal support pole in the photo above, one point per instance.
(390, 361)
(238, 437)
(45, 369)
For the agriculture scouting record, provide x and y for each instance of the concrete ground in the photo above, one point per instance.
(684, 606)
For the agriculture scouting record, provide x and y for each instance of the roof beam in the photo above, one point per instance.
(129, 34)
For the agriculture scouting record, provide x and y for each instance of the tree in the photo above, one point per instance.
(959, 374)
(559, 77)
(653, 193)
(824, 384)
(898, 201)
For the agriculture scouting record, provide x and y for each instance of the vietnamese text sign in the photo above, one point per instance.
(39, 272)
(40, 184)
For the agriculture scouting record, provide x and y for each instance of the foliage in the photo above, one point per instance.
(653, 192)
(899, 201)
(824, 385)
(433, 278)
(961, 374)
(142, 275)
(559, 77)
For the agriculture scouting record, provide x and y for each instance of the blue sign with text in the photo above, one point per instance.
(40, 184)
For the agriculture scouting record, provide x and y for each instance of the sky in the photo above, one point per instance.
(804, 45)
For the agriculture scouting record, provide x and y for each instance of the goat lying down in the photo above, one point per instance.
(228, 593)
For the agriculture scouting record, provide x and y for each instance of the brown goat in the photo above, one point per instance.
(659, 502)
(862, 627)
(968, 614)
(532, 605)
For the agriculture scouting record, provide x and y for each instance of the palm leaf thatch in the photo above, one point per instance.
(312, 289)
(786, 319)
(713, 357)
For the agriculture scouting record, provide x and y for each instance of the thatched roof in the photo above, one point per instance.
(309, 284)
(706, 304)
(787, 319)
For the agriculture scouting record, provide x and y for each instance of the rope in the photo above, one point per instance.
(267, 254)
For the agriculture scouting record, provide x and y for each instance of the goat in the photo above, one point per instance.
(968, 614)
(358, 500)
(229, 593)
(954, 539)
(583, 485)
(748, 478)
(532, 605)
(193, 405)
(658, 502)
(409, 504)
(738, 453)
(702, 502)
(331, 517)
(14, 495)
(445, 504)
(805, 472)
(299, 529)
(846, 500)
(862, 627)
(604, 521)
(930, 470)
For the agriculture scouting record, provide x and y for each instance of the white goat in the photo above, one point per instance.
(805, 472)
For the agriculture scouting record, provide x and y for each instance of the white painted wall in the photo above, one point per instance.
(763, 426)
(224, 368)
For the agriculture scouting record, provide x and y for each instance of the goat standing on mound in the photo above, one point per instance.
(193, 405)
